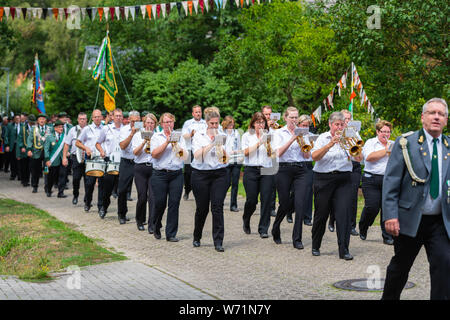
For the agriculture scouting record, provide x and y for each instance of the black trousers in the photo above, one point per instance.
(356, 181)
(89, 184)
(187, 177)
(78, 172)
(209, 187)
(56, 177)
(24, 167)
(14, 163)
(234, 172)
(167, 189)
(299, 177)
(108, 185)
(6, 161)
(36, 170)
(142, 179)
(126, 169)
(257, 184)
(433, 236)
(372, 186)
(331, 193)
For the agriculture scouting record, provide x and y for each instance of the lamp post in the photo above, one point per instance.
(7, 89)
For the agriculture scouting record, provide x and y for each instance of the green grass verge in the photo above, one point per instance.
(33, 244)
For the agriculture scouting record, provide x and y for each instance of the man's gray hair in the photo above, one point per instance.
(435, 100)
(134, 113)
(336, 116)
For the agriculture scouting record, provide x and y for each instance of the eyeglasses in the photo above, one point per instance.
(385, 132)
(439, 113)
(171, 121)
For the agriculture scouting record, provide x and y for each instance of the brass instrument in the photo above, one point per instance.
(221, 155)
(351, 141)
(268, 145)
(275, 125)
(304, 146)
(174, 137)
(147, 136)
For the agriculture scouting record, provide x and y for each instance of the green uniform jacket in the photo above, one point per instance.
(22, 140)
(11, 136)
(35, 144)
(50, 146)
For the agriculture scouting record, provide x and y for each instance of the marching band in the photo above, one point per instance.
(208, 158)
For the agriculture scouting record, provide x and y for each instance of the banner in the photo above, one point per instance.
(104, 69)
(38, 97)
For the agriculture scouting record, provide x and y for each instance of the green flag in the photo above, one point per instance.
(104, 69)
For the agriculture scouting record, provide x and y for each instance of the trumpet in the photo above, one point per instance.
(174, 137)
(304, 146)
(351, 141)
(268, 145)
(221, 155)
(275, 125)
(147, 136)
(147, 146)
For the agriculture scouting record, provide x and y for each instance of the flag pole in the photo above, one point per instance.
(351, 101)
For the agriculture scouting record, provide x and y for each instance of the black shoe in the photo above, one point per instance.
(49, 194)
(62, 195)
(273, 213)
(346, 256)
(140, 227)
(298, 245)
(289, 219)
(277, 240)
(172, 239)
(362, 236)
(246, 229)
(34, 190)
(263, 235)
(157, 234)
(12, 178)
(307, 223)
(315, 252)
(196, 243)
(122, 221)
(75, 201)
(102, 213)
(389, 242)
(186, 196)
(114, 195)
(220, 249)
(354, 232)
(129, 197)
(150, 230)
(331, 228)
(234, 209)
(26, 184)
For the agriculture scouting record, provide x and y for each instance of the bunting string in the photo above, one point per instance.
(148, 11)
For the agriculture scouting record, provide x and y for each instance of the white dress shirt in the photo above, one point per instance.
(143, 157)
(125, 132)
(210, 160)
(192, 124)
(109, 138)
(71, 138)
(168, 160)
(336, 159)
(294, 152)
(89, 136)
(259, 156)
(379, 166)
(433, 206)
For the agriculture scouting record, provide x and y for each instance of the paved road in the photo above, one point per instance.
(250, 268)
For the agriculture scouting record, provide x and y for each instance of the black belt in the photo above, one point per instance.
(168, 171)
(294, 164)
(333, 172)
(148, 164)
(127, 160)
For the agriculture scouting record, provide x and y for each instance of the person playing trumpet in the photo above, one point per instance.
(143, 170)
(294, 173)
(331, 182)
(209, 180)
(376, 153)
(258, 155)
(167, 180)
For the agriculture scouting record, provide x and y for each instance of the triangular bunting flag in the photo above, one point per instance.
(185, 7)
(168, 7)
(66, 13)
(195, 2)
(94, 13)
(158, 10)
(237, 3)
(224, 3)
(143, 10)
(112, 11)
(106, 13)
(179, 8)
(7, 12)
(118, 13)
(149, 11)
(154, 10)
(100, 13)
(61, 14)
(190, 7)
(89, 13)
(1, 13)
(55, 13)
(24, 13)
(127, 12)
(352, 95)
(202, 5)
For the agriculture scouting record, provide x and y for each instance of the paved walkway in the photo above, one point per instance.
(250, 268)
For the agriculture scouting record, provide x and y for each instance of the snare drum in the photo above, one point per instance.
(113, 168)
(95, 168)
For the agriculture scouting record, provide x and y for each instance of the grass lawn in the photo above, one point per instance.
(241, 192)
(34, 244)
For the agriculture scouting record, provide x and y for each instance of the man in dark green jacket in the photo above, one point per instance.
(12, 132)
(53, 149)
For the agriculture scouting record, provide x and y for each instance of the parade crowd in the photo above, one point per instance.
(207, 154)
